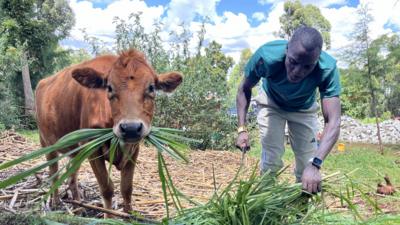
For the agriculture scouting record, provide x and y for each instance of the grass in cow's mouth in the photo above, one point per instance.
(166, 140)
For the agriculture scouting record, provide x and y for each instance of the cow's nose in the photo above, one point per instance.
(131, 130)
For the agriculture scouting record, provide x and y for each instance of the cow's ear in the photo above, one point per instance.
(89, 77)
(169, 81)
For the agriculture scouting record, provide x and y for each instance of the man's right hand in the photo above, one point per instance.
(242, 141)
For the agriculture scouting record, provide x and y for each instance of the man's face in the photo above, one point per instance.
(299, 63)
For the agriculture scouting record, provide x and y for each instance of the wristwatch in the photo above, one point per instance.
(241, 129)
(317, 162)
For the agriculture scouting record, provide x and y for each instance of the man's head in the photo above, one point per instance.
(302, 53)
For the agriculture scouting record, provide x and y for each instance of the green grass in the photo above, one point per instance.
(371, 164)
(372, 167)
(32, 135)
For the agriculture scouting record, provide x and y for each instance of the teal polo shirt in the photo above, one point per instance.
(268, 63)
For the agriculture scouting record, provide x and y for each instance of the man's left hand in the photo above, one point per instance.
(311, 179)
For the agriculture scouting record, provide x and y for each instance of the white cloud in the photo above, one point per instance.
(185, 11)
(382, 14)
(342, 21)
(232, 30)
(318, 3)
(324, 3)
(265, 2)
(106, 2)
(344, 18)
(259, 16)
(265, 31)
(99, 22)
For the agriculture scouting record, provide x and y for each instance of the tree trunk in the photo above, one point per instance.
(28, 92)
(373, 98)
(378, 129)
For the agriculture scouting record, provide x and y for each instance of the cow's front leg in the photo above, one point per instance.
(54, 201)
(105, 182)
(73, 186)
(126, 180)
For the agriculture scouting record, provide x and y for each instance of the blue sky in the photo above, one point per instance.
(236, 24)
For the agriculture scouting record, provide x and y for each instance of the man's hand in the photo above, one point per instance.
(311, 179)
(242, 141)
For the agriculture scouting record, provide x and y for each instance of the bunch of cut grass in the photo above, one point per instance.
(265, 200)
(166, 140)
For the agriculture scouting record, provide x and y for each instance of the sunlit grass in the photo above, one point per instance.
(32, 135)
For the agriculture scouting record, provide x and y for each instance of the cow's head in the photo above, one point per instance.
(131, 85)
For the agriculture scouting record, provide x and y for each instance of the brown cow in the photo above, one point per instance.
(108, 91)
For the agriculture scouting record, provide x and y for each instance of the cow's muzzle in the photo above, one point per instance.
(131, 131)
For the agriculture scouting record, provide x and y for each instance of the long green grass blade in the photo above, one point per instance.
(161, 147)
(163, 182)
(75, 163)
(171, 187)
(26, 173)
(67, 141)
(113, 149)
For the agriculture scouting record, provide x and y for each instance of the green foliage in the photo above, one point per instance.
(33, 27)
(354, 98)
(9, 101)
(36, 27)
(236, 76)
(199, 103)
(371, 83)
(21, 219)
(32, 135)
(296, 15)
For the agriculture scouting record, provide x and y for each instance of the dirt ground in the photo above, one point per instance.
(195, 179)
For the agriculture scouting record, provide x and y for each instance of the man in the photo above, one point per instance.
(291, 72)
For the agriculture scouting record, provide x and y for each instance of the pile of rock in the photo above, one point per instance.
(354, 131)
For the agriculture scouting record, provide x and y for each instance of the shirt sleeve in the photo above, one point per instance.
(330, 86)
(256, 66)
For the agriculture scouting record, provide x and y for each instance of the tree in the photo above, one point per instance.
(35, 27)
(391, 45)
(296, 15)
(363, 55)
(9, 65)
(236, 76)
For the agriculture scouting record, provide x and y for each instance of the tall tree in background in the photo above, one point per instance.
(236, 76)
(385, 59)
(362, 56)
(392, 79)
(35, 27)
(296, 15)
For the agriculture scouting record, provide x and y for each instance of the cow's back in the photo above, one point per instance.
(63, 105)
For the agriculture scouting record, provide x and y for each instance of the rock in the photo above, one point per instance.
(354, 131)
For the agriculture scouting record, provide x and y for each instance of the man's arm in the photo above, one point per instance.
(331, 111)
(243, 98)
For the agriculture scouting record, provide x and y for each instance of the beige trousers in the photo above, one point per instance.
(302, 127)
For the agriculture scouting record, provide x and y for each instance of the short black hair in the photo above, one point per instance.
(310, 38)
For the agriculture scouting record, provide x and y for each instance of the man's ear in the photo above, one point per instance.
(168, 81)
(89, 77)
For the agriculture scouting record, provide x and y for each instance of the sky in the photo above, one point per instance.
(235, 24)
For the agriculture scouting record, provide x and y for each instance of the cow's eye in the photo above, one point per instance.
(151, 88)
